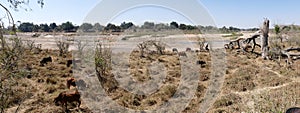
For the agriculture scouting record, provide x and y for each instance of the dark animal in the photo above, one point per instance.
(206, 47)
(65, 97)
(74, 62)
(69, 63)
(175, 50)
(201, 62)
(73, 82)
(188, 49)
(293, 110)
(45, 60)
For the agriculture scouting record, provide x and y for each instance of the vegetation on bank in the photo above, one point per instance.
(110, 27)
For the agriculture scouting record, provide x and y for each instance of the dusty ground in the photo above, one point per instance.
(251, 84)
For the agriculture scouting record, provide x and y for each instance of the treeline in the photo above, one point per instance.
(52, 27)
(88, 27)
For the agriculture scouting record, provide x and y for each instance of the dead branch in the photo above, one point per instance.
(252, 38)
(234, 42)
(291, 55)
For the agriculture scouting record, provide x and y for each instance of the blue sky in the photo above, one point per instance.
(238, 13)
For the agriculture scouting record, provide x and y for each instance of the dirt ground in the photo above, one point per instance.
(250, 84)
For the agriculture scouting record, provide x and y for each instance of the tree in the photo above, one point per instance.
(190, 27)
(26, 27)
(182, 27)
(264, 39)
(174, 25)
(224, 29)
(53, 26)
(68, 27)
(36, 28)
(44, 27)
(85, 27)
(97, 27)
(233, 29)
(148, 25)
(125, 25)
(112, 27)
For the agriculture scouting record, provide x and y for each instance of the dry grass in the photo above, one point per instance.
(251, 84)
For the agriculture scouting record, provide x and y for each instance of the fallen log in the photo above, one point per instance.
(252, 38)
(291, 55)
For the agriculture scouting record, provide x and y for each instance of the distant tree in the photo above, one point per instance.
(174, 25)
(36, 28)
(224, 29)
(109, 26)
(190, 27)
(97, 27)
(161, 26)
(234, 29)
(53, 26)
(85, 27)
(112, 27)
(148, 25)
(125, 25)
(182, 27)
(44, 27)
(26, 27)
(67, 27)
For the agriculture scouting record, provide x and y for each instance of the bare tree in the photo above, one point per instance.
(80, 46)
(264, 39)
(145, 47)
(63, 47)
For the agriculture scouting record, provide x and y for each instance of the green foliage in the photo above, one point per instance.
(125, 25)
(277, 29)
(18, 3)
(85, 27)
(174, 25)
(182, 27)
(97, 27)
(44, 27)
(35, 28)
(148, 25)
(26, 27)
(68, 27)
(53, 26)
(102, 59)
(112, 27)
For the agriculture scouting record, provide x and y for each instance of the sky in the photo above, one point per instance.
(237, 13)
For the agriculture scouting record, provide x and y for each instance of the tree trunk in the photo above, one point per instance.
(264, 39)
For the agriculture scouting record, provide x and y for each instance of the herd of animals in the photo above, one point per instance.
(67, 96)
(71, 96)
